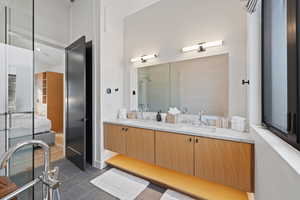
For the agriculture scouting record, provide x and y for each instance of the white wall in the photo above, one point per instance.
(254, 66)
(275, 177)
(81, 17)
(137, 5)
(167, 26)
(113, 13)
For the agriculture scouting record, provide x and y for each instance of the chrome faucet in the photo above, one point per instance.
(49, 177)
(184, 110)
(202, 122)
(141, 110)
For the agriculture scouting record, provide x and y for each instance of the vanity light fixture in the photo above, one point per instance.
(203, 46)
(144, 58)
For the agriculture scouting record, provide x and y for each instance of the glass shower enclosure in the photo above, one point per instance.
(16, 88)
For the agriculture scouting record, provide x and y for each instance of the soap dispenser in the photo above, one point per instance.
(158, 117)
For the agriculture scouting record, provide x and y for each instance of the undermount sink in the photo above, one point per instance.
(199, 128)
(186, 127)
(130, 121)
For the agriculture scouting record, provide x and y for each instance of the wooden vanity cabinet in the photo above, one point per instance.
(220, 161)
(114, 138)
(140, 144)
(134, 142)
(175, 151)
(226, 162)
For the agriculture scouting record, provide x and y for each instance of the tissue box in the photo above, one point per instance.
(132, 115)
(172, 119)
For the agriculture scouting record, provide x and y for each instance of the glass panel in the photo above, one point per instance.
(16, 87)
(275, 64)
(2, 23)
(2, 84)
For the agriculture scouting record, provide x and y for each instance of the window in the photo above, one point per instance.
(280, 69)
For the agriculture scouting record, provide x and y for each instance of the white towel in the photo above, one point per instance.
(172, 195)
(120, 184)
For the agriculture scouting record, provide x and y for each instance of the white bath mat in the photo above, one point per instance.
(172, 195)
(120, 184)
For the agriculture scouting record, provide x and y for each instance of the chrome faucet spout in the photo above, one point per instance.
(49, 177)
(7, 155)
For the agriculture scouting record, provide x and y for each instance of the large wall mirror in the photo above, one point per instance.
(192, 86)
(209, 81)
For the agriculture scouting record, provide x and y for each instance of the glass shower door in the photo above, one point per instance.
(2, 85)
(16, 88)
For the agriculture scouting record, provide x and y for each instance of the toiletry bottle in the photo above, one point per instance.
(158, 117)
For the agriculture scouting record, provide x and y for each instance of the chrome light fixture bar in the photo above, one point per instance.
(144, 58)
(203, 46)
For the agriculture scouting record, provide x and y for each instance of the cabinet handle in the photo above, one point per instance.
(190, 140)
(123, 129)
(197, 140)
(126, 129)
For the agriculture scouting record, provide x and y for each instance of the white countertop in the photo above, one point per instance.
(217, 133)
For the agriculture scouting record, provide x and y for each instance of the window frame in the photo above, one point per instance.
(293, 136)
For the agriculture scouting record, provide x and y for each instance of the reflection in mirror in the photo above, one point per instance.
(191, 86)
(154, 88)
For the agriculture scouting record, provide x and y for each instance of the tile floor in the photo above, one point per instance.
(76, 185)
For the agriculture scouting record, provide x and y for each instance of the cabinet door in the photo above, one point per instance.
(175, 151)
(226, 162)
(114, 138)
(140, 144)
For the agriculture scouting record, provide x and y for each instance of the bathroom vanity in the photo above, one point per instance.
(219, 155)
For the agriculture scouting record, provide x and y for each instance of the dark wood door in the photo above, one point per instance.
(76, 103)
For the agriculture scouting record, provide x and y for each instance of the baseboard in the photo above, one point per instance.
(97, 164)
(102, 163)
